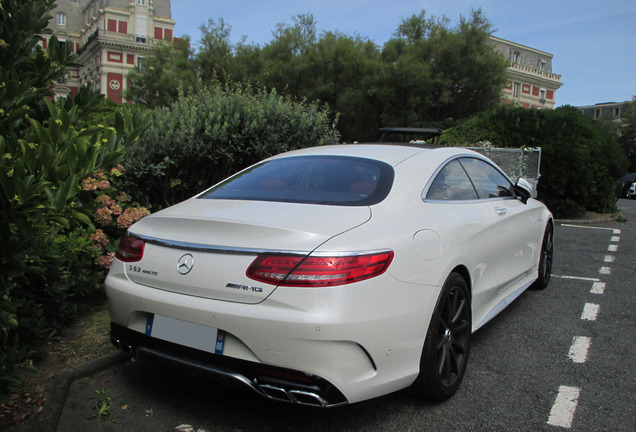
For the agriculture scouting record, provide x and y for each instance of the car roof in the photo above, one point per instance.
(391, 154)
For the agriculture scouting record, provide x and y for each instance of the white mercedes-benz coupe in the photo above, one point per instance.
(333, 274)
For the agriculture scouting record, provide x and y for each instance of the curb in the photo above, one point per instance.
(50, 415)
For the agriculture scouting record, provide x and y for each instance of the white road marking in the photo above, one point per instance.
(577, 278)
(579, 349)
(562, 412)
(598, 288)
(614, 230)
(590, 312)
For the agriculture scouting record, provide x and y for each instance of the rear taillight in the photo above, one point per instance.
(130, 249)
(317, 271)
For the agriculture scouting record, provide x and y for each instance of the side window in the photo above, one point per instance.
(488, 181)
(452, 183)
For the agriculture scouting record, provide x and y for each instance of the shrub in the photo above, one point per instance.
(47, 260)
(580, 162)
(214, 132)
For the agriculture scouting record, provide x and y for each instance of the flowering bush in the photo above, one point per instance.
(130, 216)
(112, 215)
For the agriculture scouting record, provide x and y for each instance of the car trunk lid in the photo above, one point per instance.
(204, 247)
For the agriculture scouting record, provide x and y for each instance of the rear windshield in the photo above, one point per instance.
(330, 180)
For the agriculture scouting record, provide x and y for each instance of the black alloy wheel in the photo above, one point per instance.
(445, 352)
(545, 261)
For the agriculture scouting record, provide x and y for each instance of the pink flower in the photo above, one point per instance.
(89, 184)
(115, 208)
(105, 260)
(130, 216)
(103, 216)
(99, 239)
(123, 197)
(103, 185)
(104, 201)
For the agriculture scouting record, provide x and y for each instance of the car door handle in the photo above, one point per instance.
(501, 211)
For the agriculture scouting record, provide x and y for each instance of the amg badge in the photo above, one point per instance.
(244, 287)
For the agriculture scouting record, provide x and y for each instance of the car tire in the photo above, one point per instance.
(447, 344)
(545, 261)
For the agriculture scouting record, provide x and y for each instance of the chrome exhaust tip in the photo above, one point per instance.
(300, 397)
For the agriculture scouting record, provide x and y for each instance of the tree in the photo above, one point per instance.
(436, 73)
(284, 58)
(627, 132)
(342, 70)
(429, 74)
(214, 59)
(168, 68)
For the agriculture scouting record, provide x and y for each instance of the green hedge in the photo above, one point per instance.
(580, 161)
(213, 132)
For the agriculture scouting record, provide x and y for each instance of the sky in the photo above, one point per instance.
(593, 42)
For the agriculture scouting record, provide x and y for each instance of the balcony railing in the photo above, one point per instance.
(535, 71)
(115, 37)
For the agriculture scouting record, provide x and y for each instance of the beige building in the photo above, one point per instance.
(111, 38)
(531, 82)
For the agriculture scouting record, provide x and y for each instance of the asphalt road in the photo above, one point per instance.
(555, 360)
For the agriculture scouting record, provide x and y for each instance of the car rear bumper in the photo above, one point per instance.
(269, 381)
(338, 345)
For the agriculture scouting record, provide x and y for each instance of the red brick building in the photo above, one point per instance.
(111, 38)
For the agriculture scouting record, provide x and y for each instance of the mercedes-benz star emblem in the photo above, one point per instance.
(185, 264)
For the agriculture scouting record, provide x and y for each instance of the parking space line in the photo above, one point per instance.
(562, 412)
(579, 349)
(588, 227)
(598, 288)
(590, 312)
(577, 278)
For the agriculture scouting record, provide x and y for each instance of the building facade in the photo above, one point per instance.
(531, 82)
(607, 110)
(111, 37)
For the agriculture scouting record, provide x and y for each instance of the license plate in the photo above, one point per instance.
(192, 335)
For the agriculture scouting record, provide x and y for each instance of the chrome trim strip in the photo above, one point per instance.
(210, 248)
(246, 251)
(299, 396)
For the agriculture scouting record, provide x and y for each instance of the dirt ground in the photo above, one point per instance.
(86, 339)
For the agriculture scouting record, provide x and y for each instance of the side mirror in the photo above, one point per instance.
(524, 189)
